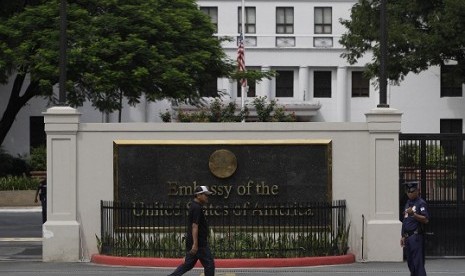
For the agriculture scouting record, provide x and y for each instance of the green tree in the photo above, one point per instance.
(421, 33)
(163, 49)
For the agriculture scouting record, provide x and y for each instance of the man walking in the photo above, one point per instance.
(414, 218)
(41, 194)
(196, 240)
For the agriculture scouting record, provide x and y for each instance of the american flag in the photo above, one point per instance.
(241, 59)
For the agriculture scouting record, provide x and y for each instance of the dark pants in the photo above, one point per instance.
(44, 210)
(415, 255)
(204, 255)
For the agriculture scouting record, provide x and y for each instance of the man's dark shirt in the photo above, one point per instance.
(409, 223)
(196, 216)
(42, 189)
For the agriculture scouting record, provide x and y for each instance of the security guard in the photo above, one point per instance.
(415, 215)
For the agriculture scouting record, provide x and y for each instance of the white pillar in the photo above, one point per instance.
(383, 225)
(265, 85)
(342, 95)
(136, 114)
(61, 231)
(304, 94)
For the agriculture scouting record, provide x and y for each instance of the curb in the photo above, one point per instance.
(20, 209)
(226, 263)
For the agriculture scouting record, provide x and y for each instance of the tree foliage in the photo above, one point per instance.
(421, 33)
(163, 49)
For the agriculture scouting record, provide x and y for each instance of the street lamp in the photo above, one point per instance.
(62, 65)
(383, 56)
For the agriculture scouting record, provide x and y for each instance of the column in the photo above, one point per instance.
(304, 94)
(265, 85)
(137, 113)
(61, 231)
(383, 225)
(342, 95)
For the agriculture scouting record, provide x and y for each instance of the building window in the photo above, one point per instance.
(285, 25)
(251, 86)
(210, 88)
(451, 82)
(285, 84)
(213, 13)
(323, 20)
(250, 20)
(250, 93)
(322, 84)
(37, 136)
(451, 126)
(360, 85)
(284, 20)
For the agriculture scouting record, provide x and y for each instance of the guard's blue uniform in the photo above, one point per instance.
(414, 236)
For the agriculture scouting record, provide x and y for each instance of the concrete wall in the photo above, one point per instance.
(18, 198)
(80, 162)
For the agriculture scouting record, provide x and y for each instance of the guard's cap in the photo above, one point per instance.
(202, 190)
(411, 186)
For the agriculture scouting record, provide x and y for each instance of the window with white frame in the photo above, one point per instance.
(323, 25)
(284, 84)
(323, 20)
(360, 85)
(322, 84)
(213, 13)
(284, 20)
(250, 25)
(250, 20)
(285, 25)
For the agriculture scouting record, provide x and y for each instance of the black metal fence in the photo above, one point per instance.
(236, 231)
(445, 234)
(437, 162)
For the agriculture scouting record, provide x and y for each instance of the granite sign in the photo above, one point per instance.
(244, 172)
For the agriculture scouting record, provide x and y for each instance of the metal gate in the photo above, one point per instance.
(436, 161)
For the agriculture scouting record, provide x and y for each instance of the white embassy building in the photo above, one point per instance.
(299, 39)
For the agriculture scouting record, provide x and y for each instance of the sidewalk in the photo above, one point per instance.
(434, 267)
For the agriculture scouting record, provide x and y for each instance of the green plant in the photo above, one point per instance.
(341, 242)
(224, 244)
(165, 116)
(11, 183)
(217, 111)
(436, 158)
(38, 159)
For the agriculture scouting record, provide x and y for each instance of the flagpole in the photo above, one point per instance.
(243, 90)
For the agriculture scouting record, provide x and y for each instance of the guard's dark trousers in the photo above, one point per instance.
(414, 251)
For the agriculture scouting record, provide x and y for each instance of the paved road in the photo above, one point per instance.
(436, 267)
(21, 251)
(20, 223)
(20, 234)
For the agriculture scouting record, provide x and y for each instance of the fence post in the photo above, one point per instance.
(383, 225)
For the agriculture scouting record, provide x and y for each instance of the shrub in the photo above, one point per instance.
(38, 159)
(217, 111)
(11, 183)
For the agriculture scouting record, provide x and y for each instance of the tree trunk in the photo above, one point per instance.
(15, 104)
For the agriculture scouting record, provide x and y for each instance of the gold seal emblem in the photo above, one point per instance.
(222, 163)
